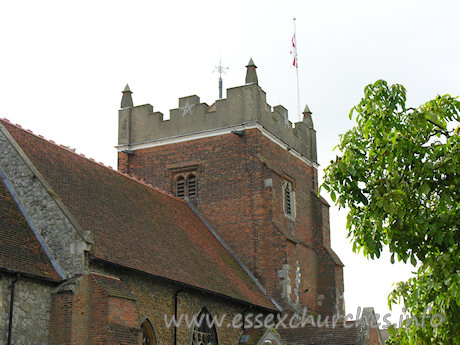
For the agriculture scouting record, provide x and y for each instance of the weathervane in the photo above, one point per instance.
(220, 69)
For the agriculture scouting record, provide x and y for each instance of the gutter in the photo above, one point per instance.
(32, 276)
(10, 324)
(93, 258)
(175, 314)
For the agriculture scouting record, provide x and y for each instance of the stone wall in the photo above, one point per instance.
(65, 244)
(243, 105)
(31, 312)
(155, 300)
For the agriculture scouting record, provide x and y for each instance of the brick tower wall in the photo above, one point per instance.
(242, 153)
(239, 191)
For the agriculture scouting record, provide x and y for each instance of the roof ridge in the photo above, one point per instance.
(134, 178)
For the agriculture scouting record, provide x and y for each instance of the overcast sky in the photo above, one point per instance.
(63, 65)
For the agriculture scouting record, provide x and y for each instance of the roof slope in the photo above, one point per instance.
(315, 335)
(138, 226)
(19, 248)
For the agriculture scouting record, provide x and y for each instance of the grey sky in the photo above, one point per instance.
(63, 65)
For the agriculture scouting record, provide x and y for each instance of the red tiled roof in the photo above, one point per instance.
(122, 334)
(137, 226)
(19, 248)
(309, 335)
(113, 286)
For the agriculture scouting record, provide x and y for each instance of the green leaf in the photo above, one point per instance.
(391, 330)
(398, 175)
(438, 236)
(333, 197)
(425, 188)
(350, 115)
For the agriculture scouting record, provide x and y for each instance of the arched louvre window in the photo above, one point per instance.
(148, 335)
(191, 186)
(202, 333)
(180, 187)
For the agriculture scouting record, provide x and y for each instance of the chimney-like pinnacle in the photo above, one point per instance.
(251, 74)
(126, 99)
(307, 117)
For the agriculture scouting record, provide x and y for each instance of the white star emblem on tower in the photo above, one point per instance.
(187, 108)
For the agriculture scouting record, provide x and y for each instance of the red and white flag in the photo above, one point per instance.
(294, 52)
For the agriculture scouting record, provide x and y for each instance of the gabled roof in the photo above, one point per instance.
(20, 250)
(138, 226)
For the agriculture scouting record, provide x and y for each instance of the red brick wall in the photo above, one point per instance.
(155, 301)
(108, 310)
(83, 316)
(309, 270)
(224, 184)
(121, 311)
(373, 336)
(123, 164)
(99, 325)
(61, 318)
(70, 321)
(248, 215)
(340, 286)
(326, 232)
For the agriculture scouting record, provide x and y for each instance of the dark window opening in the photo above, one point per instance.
(204, 334)
(180, 187)
(186, 187)
(148, 336)
(191, 186)
(288, 199)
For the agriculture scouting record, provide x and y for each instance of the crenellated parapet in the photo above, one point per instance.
(245, 107)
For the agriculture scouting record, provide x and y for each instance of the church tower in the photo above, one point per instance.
(253, 176)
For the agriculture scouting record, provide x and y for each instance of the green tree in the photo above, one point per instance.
(398, 174)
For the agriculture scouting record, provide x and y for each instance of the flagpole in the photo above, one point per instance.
(297, 71)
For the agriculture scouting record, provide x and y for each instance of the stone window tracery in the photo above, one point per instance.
(202, 333)
(148, 335)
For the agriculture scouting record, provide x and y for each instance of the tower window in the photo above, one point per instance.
(180, 187)
(185, 186)
(288, 199)
(191, 186)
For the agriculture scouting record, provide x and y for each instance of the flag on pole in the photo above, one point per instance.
(294, 52)
(295, 63)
